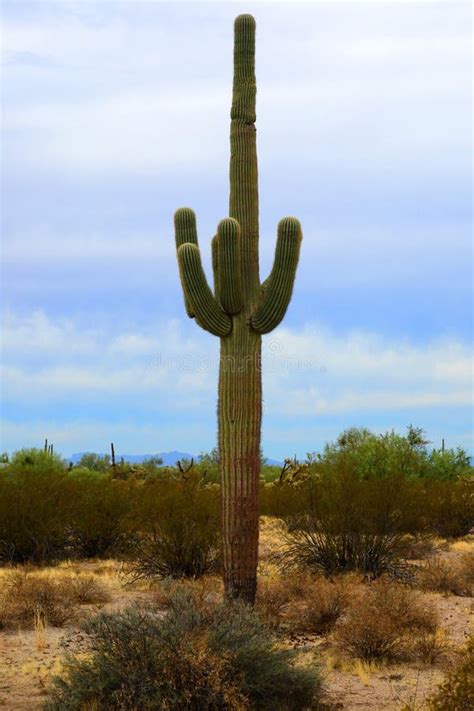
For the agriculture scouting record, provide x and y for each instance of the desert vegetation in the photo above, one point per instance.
(364, 582)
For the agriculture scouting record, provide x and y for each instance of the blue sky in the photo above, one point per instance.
(117, 113)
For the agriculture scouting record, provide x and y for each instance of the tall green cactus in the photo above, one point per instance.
(239, 311)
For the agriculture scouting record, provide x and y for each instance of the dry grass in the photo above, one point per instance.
(321, 607)
(273, 597)
(430, 647)
(420, 547)
(456, 693)
(388, 621)
(303, 603)
(32, 599)
(463, 545)
(451, 577)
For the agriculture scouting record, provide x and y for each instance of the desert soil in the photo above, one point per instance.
(28, 659)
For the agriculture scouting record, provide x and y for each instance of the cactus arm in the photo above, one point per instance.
(279, 286)
(198, 295)
(229, 278)
(185, 232)
(215, 259)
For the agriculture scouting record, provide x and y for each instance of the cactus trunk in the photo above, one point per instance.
(240, 380)
(239, 312)
(239, 414)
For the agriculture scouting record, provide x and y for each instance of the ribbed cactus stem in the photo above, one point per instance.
(215, 258)
(229, 266)
(239, 311)
(203, 304)
(185, 232)
(279, 286)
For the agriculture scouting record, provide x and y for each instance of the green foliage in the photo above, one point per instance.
(450, 506)
(352, 506)
(352, 521)
(100, 506)
(175, 527)
(380, 455)
(36, 504)
(193, 658)
(449, 464)
(35, 460)
(95, 462)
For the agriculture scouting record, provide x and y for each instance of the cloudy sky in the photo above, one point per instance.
(116, 113)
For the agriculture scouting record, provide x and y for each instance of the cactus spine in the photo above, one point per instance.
(239, 311)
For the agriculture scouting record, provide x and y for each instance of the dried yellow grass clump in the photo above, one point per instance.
(448, 576)
(389, 621)
(31, 599)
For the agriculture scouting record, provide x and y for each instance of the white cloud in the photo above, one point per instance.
(142, 91)
(309, 372)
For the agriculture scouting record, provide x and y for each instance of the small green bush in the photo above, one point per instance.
(351, 522)
(36, 505)
(175, 528)
(101, 504)
(190, 659)
(451, 507)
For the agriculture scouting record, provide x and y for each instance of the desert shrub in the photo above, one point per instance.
(273, 597)
(418, 546)
(84, 589)
(217, 658)
(449, 464)
(36, 459)
(429, 647)
(285, 499)
(385, 620)
(408, 455)
(456, 693)
(311, 546)
(101, 504)
(451, 506)
(351, 523)
(36, 505)
(26, 595)
(322, 606)
(360, 506)
(48, 513)
(302, 603)
(176, 529)
(455, 577)
(206, 592)
(55, 599)
(95, 462)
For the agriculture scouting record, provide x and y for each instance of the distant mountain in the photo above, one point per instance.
(169, 458)
(273, 463)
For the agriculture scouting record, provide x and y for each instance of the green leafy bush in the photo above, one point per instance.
(101, 504)
(191, 658)
(352, 522)
(450, 506)
(175, 528)
(36, 504)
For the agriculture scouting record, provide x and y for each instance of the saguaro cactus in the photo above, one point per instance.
(239, 311)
